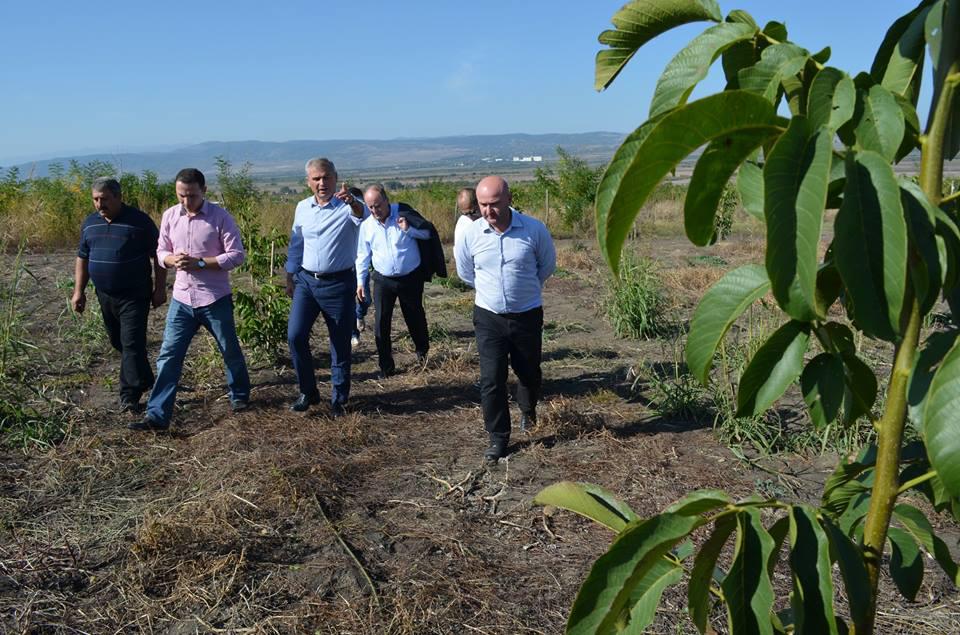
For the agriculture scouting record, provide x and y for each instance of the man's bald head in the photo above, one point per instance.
(493, 196)
(467, 203)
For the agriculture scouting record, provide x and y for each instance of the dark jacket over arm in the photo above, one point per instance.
(432, 260)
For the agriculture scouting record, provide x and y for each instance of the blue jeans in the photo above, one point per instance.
(333, 297)
(183, 322)
(363, 307)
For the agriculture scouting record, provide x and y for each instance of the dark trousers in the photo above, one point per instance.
(333, 297)
(409, 290)
(125, 319)
(503, 337)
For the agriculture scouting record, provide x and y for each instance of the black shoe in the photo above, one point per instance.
(239, 405)
(337, 410)
(497, 449)
(383, 374)
(148, 424)
(422, 359)
(303, 402)
(527, 421)
(130, 405)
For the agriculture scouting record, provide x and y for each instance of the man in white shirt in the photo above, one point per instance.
(507, 257)
(389, 243)
(469, 211)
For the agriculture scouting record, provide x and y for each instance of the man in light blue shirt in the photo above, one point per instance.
(389, 243)
(320, 279)
(507, 257)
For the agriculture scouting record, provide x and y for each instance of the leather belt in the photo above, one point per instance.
(328, 276)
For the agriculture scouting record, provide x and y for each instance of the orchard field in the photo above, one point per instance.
(386, 520)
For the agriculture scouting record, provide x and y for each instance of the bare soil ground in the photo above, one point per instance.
(383, 521)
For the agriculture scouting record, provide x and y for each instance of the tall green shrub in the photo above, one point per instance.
(895, 249)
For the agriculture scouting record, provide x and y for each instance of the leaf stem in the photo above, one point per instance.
(916, 481)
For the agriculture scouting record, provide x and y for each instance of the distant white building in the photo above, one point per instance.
(528, 159)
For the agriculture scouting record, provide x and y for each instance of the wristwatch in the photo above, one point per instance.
(201, 264)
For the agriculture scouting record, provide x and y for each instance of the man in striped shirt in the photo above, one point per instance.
(118, 247)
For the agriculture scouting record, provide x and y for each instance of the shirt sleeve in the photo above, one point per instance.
(164, 244)
(546, 255)
(153, 235)
(357, 221)
(463, 256)
(364, 256)
(419, 234)
(233, 253)
(83, 249)
(295, 247)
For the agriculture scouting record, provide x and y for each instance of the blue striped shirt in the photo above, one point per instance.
(507, 270)
(118, 252)
(324, 237)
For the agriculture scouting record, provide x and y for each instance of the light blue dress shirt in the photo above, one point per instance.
(394, 252)
(507, 270)
(324, 237)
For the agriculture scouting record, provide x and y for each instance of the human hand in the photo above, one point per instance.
(180, 261)
(346, 196)
(402, 223)
(79, 301)
(159, 296)
(361, 298)
(289, 288)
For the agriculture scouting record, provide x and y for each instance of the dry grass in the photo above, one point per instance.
(577, 257)
(272, 522)
(686, 285)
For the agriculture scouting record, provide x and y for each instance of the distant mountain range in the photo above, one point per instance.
(279, 159)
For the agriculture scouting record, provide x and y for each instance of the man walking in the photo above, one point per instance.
(506, 256)
(201, 241)
(118, 249)
(469, 211)
(362, 305)
(389, 242)
(321, 279)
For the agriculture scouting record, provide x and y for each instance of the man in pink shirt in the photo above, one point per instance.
(201, 241)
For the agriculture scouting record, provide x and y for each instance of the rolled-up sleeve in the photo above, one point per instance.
(233, 253)
(164, 242)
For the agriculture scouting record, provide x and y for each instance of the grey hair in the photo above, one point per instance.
(106, 184)
(320, 163)
(378, 187)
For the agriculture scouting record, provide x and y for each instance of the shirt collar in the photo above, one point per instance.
(333, 203)
(516, 220)
(392, 216)
(202, 210)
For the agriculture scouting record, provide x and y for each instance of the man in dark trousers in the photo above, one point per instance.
(118, 250)
(506, 256)
(321, 279)
(388, 241)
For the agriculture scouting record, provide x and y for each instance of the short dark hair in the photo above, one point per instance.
(106, 184)
(188, 176)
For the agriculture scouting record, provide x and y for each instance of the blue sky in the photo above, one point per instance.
(110, 76)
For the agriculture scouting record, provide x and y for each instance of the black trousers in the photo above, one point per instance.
(516, 338)
(125, 319)
(409, 290)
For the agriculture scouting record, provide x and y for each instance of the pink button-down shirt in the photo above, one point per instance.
(209, 232)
